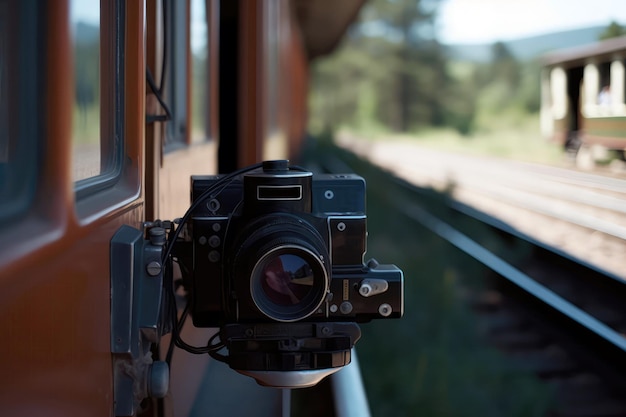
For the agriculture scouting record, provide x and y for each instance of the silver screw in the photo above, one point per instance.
(153, 268)
(385, 310)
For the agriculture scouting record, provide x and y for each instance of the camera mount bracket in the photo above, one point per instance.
(137, 317)
(289, 379)
(297, 355)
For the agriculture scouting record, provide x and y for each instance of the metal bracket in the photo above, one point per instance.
(138, 318)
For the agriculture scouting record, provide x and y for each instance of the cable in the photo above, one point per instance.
(158, 91)
(222, 181)
(158, 94)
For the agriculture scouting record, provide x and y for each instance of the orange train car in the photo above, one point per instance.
(106, 109)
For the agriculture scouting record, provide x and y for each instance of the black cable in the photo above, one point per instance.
(158, 91)
(221, 182)
(158, 94)
(165, 41)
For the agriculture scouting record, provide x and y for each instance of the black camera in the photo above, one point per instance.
(272, 256)
(277, 264)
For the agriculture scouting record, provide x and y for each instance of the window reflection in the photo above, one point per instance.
(86, 149)
(20, 65)
(200, 72)
(4, 78)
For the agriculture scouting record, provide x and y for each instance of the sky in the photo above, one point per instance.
(475, 21)
(488, 21)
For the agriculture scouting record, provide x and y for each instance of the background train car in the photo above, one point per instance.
(583, 99)
(106, 108)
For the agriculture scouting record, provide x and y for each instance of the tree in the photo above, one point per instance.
(613, 30)
(390, 69)
(504, 66)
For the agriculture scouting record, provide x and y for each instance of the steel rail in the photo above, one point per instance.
(588, 339)
(587, 271)
(349, 395)
(605, 347)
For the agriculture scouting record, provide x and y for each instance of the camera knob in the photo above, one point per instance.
(281, 165)
(157, 236)
(372, 264)
(373, 286)
(365, 289)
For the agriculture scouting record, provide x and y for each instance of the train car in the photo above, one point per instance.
(106, 109)
(583, 99)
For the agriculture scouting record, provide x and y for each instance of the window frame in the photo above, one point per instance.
(112, 138)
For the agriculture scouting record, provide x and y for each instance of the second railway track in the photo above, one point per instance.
(581, 213)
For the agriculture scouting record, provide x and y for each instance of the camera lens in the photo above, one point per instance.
(288, 283)
(286, 279)
(279, 270)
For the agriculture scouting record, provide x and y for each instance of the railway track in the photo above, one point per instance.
(547, 311)
(579, 212)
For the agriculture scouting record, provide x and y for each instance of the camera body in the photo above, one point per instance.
(284, 246)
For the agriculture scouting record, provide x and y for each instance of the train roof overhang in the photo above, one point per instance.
(580, 55)
(324, 22)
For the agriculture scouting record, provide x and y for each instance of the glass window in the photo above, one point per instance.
(20, 93)
(176, 77)
(200, 103)
(86, 152)
(96, 126)
(272, 69)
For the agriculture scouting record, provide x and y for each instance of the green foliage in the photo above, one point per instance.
(433, 361)
(86, 114)
(391, 74)
(502, 90)
(614, 30)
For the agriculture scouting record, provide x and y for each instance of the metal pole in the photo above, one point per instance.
(286, 402)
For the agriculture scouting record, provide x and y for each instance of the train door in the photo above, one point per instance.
(70, 175)
(575, 119)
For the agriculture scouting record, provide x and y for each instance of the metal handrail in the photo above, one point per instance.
(349, 394)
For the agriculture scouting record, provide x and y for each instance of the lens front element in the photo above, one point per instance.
(287, 279)
(288, 283)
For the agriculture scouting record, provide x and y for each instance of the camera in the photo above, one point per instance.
(277, 263)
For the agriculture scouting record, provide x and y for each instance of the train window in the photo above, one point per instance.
(200, 88)
(96, 137)
(20, 84)
(175, 88)
(275, 136)
(272, 65)
(85, 21)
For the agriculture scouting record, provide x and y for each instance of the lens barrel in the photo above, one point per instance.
(284, 262)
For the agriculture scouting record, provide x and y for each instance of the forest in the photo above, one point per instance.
(391, 74)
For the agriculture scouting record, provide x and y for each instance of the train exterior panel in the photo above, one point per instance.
(106, 109)
(607, 131)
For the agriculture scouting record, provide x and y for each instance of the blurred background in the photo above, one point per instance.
(447, 95)
(452, 72)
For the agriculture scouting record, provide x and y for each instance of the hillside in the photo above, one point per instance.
(527, 48)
